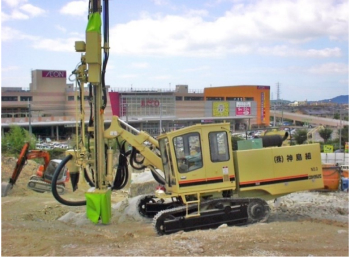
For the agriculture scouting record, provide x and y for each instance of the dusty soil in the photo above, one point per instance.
(305, 224)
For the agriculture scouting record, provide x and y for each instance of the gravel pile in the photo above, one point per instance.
(318, 205)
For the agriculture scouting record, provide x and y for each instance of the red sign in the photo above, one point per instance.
(243, 108)
(263, 87)
(53, 74)
(243, 111)
(149, 103)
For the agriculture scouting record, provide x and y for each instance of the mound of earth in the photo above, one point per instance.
(300, 224)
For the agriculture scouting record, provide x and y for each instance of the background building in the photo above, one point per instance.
(49, 106)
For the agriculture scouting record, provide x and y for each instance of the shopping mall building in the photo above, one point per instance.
(52, 104)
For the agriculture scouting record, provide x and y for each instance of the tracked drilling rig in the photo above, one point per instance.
(200, 189)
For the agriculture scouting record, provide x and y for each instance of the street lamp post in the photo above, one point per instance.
(125, 111)
(160, 118)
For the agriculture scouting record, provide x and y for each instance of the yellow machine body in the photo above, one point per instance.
(266, 173)
(273, 171)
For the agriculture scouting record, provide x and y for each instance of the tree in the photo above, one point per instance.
(325, 133)
(12, 142)
(300, 136)
(345, 134)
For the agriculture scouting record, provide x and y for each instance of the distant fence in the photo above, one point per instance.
(340, 158)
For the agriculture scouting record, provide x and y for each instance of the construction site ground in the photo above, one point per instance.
(35, 224)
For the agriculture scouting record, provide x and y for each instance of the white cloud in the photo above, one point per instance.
(244, 28)
(128, 76)
(140, 65)
(330, 68)
(286, 51)
(160, 77)
(57, 45)
(17, 15)
(20, 10)
(75, 8)
(9, 34)
(202, 68)
(14, 3)
(32, 10)
(160, 2)
(60, 28)
(9, 68)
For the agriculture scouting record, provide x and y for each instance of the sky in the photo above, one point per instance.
(300, 45)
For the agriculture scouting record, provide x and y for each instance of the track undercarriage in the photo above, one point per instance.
(174, 216)
(37, 184)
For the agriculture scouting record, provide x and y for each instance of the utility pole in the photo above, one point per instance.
(340, 127)
(274, 115)
(30, 119)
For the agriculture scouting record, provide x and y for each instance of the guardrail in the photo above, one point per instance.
(340, 158)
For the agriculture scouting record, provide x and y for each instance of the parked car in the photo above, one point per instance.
(259, 133)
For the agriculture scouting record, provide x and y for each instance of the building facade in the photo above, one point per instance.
(50, 106)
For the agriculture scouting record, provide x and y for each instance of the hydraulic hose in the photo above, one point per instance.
(106, 50)
(54, 184)
(133, 160)
(121, 178)
(87, 178)
(157, 177)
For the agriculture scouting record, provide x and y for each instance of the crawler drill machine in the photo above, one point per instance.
(202, 189)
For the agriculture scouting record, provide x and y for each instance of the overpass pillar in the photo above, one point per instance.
(57, 133)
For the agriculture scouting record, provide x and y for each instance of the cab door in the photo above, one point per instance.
(168, 169)
(189, 162)
(219, 170)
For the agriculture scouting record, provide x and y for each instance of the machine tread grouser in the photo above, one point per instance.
(150, 205)
(214, 213)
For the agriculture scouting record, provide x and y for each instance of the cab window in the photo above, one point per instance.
(219, 147)
(188, 152)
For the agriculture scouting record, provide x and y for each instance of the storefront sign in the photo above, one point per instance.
(262, 114)
(150, 103)
(53, 74)
(220, 109)
(327, 148)
(243, 108)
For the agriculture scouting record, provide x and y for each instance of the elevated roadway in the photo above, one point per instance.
(308, 119)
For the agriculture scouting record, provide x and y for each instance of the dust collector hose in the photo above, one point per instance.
(54, 183)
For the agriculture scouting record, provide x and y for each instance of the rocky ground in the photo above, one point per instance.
(304, 224)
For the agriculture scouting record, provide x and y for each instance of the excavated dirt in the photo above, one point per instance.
(304, 224)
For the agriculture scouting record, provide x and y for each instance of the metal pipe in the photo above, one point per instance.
(128, 126)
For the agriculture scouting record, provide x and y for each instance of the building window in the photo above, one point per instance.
(194, 98)
(234, 98)
(6, 115)
(215, 99)
(86, 98)
(249, 98)
(178, 98)
(26, 98)
(71, 98)
(9, 98)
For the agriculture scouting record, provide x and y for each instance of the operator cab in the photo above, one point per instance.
(197, 157)
(50, 170)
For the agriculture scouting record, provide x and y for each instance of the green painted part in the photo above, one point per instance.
(98, 205)
(255, 143)
(94, 23)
